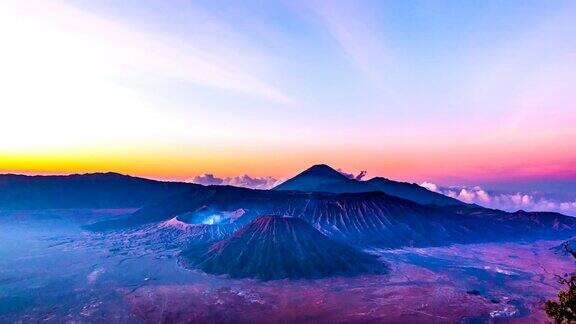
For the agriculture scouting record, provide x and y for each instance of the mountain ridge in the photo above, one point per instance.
(115, 190)
(89, 190)
(369, 219)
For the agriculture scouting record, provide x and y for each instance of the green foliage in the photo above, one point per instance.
(564, 310)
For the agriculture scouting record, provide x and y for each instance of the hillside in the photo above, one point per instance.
(275, 247)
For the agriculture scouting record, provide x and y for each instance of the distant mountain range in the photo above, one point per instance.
(322, 220)
(362, 216)
(322, 178)
(113, 190)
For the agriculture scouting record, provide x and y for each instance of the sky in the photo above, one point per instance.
(453, 93)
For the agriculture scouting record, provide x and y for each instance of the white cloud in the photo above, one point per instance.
(430, 186)
(569, 206)
(504, 201)
(245, 180)
(207, 179)
(250, 182)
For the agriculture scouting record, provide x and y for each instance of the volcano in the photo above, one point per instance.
(323, 178)
(277, 247)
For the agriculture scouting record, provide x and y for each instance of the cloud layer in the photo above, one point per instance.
(245, 180)
(505, 200)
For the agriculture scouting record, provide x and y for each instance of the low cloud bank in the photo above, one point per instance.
(207, 179)
(245, 180)
(504, 200)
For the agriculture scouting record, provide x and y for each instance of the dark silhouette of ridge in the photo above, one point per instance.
(276, 247)
(113, 190)
(93, 190)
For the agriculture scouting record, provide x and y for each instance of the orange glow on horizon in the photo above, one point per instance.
(433, 163)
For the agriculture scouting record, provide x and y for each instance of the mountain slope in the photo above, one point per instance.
(371, 219)
(273, 247)
(411, 191)
(96, 190)
(322, 178)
